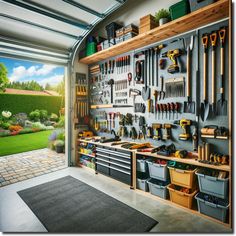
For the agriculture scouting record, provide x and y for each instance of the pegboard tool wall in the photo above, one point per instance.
(196, 89)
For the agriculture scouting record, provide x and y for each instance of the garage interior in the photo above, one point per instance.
(149, 116)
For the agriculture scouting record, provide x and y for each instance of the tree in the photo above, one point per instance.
(3, 77)
(48, 86)
(28, 85)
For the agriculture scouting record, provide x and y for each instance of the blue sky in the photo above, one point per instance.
(22, 71)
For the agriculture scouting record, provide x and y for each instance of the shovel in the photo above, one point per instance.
(146, 90)
(189, 105)
(213, 38)
(205, 105)
(222, 103)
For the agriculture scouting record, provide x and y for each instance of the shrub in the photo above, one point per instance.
(54, 117)
(43, 115)
(59, 143)
(15, 128)
(163, 13)
(61, 122)
(20, 119)
(29, 103)
(34, 115)
(28, 123)
(26, 131)
(61, 136)
(48, 123)
(5, 125)
(50, 127)
(14, 133)
(4, 133)
(38, 125)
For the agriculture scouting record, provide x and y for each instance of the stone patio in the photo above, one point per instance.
(26, 165)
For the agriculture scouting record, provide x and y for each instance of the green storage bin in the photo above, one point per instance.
(91, 48)
(179, 9)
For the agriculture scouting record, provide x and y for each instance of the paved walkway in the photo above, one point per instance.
(26, 165)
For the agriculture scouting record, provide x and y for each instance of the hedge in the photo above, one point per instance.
(16, 103)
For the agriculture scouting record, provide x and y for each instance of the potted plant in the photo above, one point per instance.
(59, 146)
(162, 16)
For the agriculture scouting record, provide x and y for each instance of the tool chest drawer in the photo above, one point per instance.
(116, 174)
(115, 163)
(102, 168)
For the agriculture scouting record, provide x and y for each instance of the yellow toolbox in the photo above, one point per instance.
(183, 178)
(181, 198)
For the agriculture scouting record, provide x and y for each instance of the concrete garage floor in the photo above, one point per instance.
(15, 216)
(26, 165)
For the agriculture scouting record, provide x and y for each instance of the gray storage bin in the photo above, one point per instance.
(142, 165)
(142, 184)
(197, 4)
(216, 211)
(212, 185)
(158, 171)
(158, 188)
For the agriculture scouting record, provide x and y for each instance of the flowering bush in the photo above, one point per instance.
(38, 125)
(4, 133)
(6, 114)
(13, 128)
(14, 133)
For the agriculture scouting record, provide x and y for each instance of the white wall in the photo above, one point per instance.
(132, 11)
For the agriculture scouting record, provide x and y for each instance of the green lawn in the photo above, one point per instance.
(24, 142)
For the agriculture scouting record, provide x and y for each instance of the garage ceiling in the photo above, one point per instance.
(49, 30)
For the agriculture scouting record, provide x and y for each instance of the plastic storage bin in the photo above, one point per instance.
(197, 4)
(142, 165)
(217, 211)
(158, 188)
(212, 185)
(142, 184)
(158, 171)
(91, 48)
(183, 178)
(111, 29)
(179, 9)
(178, 197)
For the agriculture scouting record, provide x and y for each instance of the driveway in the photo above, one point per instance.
(26, 165)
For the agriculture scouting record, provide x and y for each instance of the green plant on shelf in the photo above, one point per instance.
(162, 16)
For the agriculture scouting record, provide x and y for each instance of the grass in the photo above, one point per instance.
(24, 142)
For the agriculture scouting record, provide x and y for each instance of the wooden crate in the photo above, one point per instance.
(147, 23)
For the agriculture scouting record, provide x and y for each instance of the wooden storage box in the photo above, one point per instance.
(183, 178)
(178, 197)
(147, 23)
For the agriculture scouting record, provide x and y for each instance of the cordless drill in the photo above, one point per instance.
(185, 125)
(172, 55)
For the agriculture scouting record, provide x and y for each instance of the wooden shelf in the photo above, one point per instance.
(186, 161)
(169, 158)
(89, 155)
(189, 161)
(196, 19)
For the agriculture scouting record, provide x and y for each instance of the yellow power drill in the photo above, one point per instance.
(185, 125)
(172, 55)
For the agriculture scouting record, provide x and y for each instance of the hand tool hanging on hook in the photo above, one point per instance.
(213, 38)
(146, 90)
(205, 105)
(222, 103)
(189, 105)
